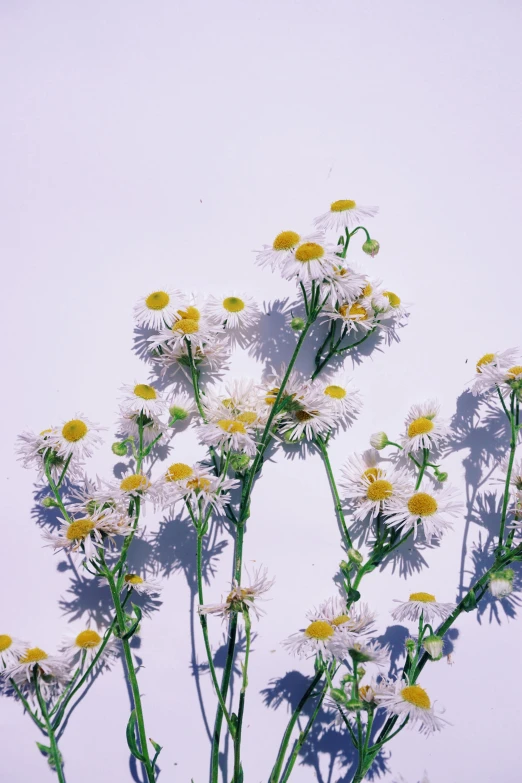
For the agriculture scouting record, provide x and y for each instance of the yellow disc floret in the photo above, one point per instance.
(233, 304)
(392, 298)
(337, 392)
(420, 426)
(310, 251)
(74, 430)
(134, 482)
(179, 471)
(486, 359)
(231, 425)
(158, 300)
(33, 655)
(320, 630)
(286, 240)
(380, 489)
(356, 312)
(514, 371)
(190, 312)
(422, 505)
(5, 642)
(342, 205)
(186, 326)
(133, 579)
(199, 483)
(340, 620)
(425, 598)
(417, 696)
(79, 529)
(367, 290)
(87, 639)
(145, 391)
(372, 474)
(271, 396)
(247, 417)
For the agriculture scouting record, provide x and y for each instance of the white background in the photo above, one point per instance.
(148, 144)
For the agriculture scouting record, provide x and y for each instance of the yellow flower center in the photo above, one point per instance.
(190, 312)
(417, 696)
(271, 396)
(355, 311)
(364, 691)
(486, 359)
(157, 300)
(422, 505)
(420, 426)
(340, 620)
(199, 483)
(514, 371)
(5, 642)
(186, 326)
(74, 430)
(372, 474)
(320, 630)
(145, 391)
(134, 482)
(233, 304)
(133, 579)
(286, 240)
(79, 529)
(247, 417)
(179, 471)
(45, 432)
(379, 490)
(310, 251)
(342, 205)
(304, 415)
(392, 298)
(425, 598)
(230, 425)
(337, 392)
(33, 655)
(367, 290)
(88, 639)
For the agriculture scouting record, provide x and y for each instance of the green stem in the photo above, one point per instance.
(303, 735)
(26, 704)
(55, 754)
(55, 490)
(336, 350)
(337, 500)
(195, 380)
(241, 711)
(512, 449)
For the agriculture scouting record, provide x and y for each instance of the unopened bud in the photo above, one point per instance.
(297, 324)
(355, 556)
(338, 695)
(49, 503)
(239, 462)
(411, 646)
(501, 583)
(120, 449)
(379, 440)
(441, 476)
(354, 705)
(433, 645)
(371, 247)
(177, 414)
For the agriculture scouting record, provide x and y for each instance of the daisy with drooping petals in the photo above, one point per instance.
(79, 535)
(422, 604)
(241, 399)
(230, 434)
(344, 399)
(358, 622)
(491, 370)
(129, 427)
(234, 312)
(87, 643)
(426, 508)
(241, 598)
(213, 356)
(23, 668)
(352, 315)
(310, 261)
(11, 649)
(342, 214)
(158, 309)
(368, 653)
(311, 413)
(320, 636)
(374, 488)
(285, 243)
(34, 451)
(345, 284)
(189, 326)
(181, 407)
(424, 427)
(193, 484)
(141, 398)
(76, 438)
(412, 702)
(140, 585)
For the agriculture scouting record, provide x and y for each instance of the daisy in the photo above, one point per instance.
(429, 509)
(285, 243)
(365, 653)
(310, 414)
(513, 381)
(34, 451)
(142, 586)
(189, 327)
(76, 438)
(424, 428)
(11, 649)
(229, 433)
(23, 668)
(320, 636)
(241, 399)
(212, 356)
(129, 425)
(491, 369)
(241, 598)
(343, 282)
(358, 622)
(79, 535)
(195, 485)
(310, 261)
(181, 407)
(352, 315)
(424, 604)
(342, 214)
(412, 702)
(88, 642)
(234, 312)
(141, 398)
(131, 485)
(344, 399)
(374, 488)
(158, 308)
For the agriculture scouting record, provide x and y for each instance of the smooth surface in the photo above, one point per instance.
(147, 144)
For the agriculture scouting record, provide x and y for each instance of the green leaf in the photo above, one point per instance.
(353, 595)
(132, 630)
(43, 749)
(131, 737)
(470, 602)
(158, 748)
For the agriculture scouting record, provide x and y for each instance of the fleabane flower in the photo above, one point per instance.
(140, 585)
(242, 598)
(181, 407)
(358, 622)
(308, 414)
(491, 370)
(241, 399)
(353, 316)
(130, 424)
(189, 326)
(285, 243)
(87, 644)
(82, 535)
(425, 429)
(412, 702)
(213, 356)
(422, 604)
(193, 484)
(342, 214)
(22, 669)
(236, 311)
(431, 510)
(158, 309)
(11, 649)
(310, 261)
(342, 283)
(364, 653)
(343, 398)
(142, 398)
(34, 450)
(229, 433)
(372, 487)
(76, 438)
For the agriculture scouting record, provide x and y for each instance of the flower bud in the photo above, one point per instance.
(441, 476)
(411, 646)
(177, 414)
(239, 462)
(49, 503)
(433, 645)
(371, 247)
(120, 449)
(355, 556)
(297, 324)
(501, 583)
(379, 440)
(354, 705)
(338, 695)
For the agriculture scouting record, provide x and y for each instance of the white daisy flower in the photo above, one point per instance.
(129, 427)
(189, 326)
(228, 433)
(352, 315)
(358, 622)
(425, 604)
(142, 586)
(343, 397)
(430, 510)
(410, 701)
(342, 214)
(241, 399)
(131, 485)
(212, 356)
(319, 636)
(310, 261)
(11, 649)
(80, 535)
(373, 488)
(32, 451)
(181, 407)
(512, 381)
(310, 414)
(240, 598)
(158, 309)
(491, 370)
(22, 669)
(88, 641)
(367, 653)
(424, 427)
(344, 283)
(285, 243)
(141, 398)
(76, 438)
(195, 485)
(237, 312)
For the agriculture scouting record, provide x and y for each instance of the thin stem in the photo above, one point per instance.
(337, 500)
(241, 710)
(55, 754)
(55, 490)
(303, 735)
(195, 380)
(26, 704)
(512, 449)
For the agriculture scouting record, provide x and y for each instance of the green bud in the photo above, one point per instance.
(411, 646)
(433, 645)
(297, 324)
(177, 414)
(379, 440)
(338, 695)
(49, 503)
(346, 679)
(239, 462)
(371, 247)
(354, 705)
(120, 449)
(355, 556)
(441, 476)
